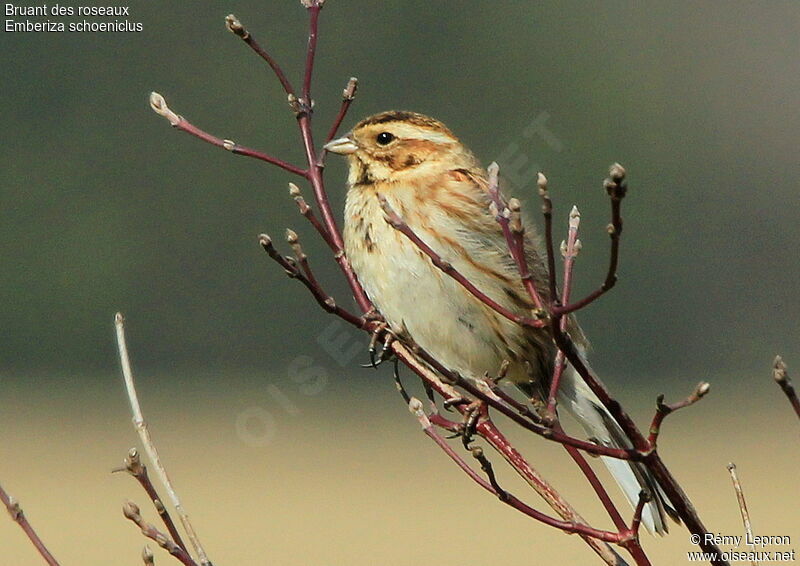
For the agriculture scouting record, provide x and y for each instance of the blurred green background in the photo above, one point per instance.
(103, 207)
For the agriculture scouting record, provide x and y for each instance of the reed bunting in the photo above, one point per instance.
(440, 190)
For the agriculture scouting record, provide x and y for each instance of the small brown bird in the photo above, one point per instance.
(440, 190)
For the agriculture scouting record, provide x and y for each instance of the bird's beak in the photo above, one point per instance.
(342, 146)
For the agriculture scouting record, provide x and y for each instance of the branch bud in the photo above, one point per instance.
(616, 172)
(235, 26)
(779, 373)
(14, 509)
(515, 213)
(563, 248)
(294, 103)
(349, 92)
(493, 170)
(265, 241)
(133, 463)
(541, 182)
(147, 556)
(415, 406)
(159, 106)
(294, 242)
(131, 511)
(294, 192)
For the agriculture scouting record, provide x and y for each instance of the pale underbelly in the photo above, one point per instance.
(435, 311)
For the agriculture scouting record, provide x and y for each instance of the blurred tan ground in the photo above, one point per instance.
(346, 481)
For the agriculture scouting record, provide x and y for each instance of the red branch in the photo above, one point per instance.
(19, 518)
(616, 188)
(663, 410)
(305, 210)
(547, 212)
(159, 106)
(348, 95)
(570, 250)
(416, 408)
(236, 27)
(314, 6)
(325, 301)
(509, 217)
(134, 466)
(132, 513)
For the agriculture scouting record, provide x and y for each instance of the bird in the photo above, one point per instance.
(416, 166)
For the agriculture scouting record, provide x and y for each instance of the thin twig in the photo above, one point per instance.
(662, 410)
(644, 498)
(647, 453)
(308, 213)
(488, 431)
(235, 26)
(348, 95)
(159, 106)
(547, 212)
(401, 226)
(737, 486)
(617, 188)
(509, 216)
(570, 250)
(314, 6)
(594, 481)
(415, 406)
(18, 516)
(144, 435)
(488, 469)
(781, 377)
(325, 301)
(132, 513)
(134, 466)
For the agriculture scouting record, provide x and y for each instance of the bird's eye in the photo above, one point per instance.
(384, 138)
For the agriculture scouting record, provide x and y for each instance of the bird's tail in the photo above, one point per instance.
(632, 477)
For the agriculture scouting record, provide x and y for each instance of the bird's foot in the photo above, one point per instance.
(473, 411)
(383, 335)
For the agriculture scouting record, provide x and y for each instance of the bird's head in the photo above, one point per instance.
(394, 146)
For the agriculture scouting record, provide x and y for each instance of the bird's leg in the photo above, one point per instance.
(472, 415)
(372, 341)
(380, 333)
(386, 349)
